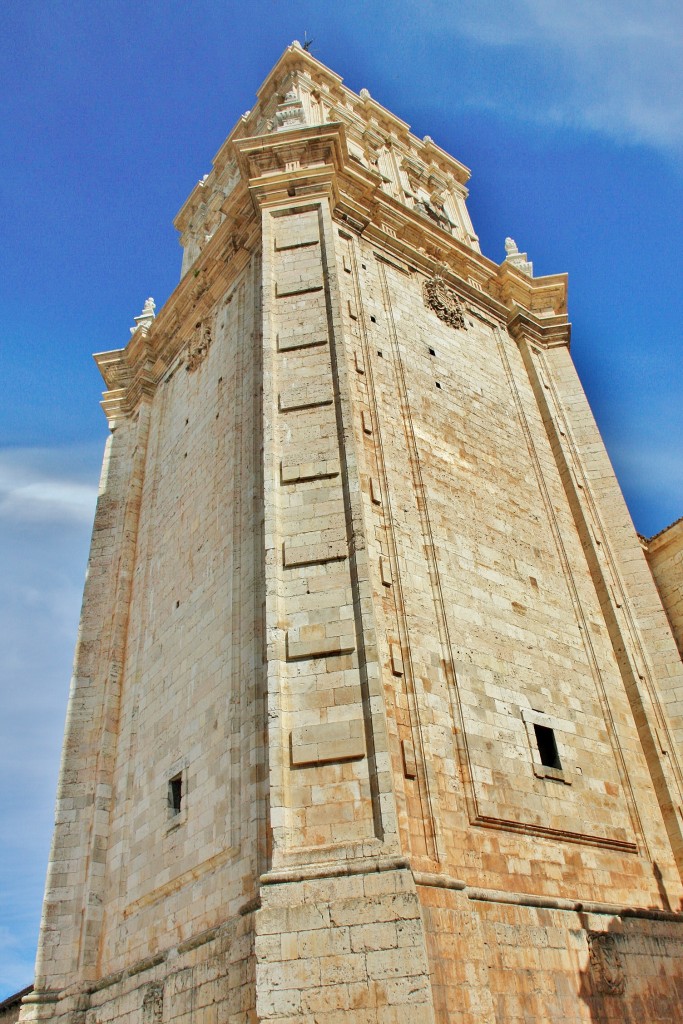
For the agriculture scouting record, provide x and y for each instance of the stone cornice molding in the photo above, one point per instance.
(361, 108)
(294, 166)
(547, 332)
(136, 370)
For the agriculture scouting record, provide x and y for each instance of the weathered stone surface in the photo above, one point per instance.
(664, 554)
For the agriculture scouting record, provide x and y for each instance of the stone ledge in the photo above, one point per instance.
(308, 642)
(327, 742)
(294, 555)
(309, 396)
(287, 246)
(291, 342)
(303, 289)
(318, 470)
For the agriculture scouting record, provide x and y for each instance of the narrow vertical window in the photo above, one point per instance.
(547, 747)
(175, 794)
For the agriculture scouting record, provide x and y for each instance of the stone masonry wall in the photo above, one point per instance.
(528, 963)
(665, 557)
(192, 700)
(488, 615)
(204, 981)
(342, 950)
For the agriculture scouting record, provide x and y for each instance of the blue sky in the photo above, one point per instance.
(570, 116)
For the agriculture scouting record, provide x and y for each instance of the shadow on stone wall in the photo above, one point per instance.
(635, 968)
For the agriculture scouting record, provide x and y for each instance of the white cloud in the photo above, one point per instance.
(613, 66)
(34, 487)
(47, 501)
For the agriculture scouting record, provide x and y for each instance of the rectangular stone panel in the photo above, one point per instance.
(294, 555)
(298, 472)
(409, 762)
(396, 659)
(305, 396)
(302, 338)
(327, 742)
(302, 284)
(307, 642)
(286, 241)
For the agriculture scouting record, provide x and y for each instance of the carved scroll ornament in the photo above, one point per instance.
(444, 302)
(606, 965)
(153, 1004)
(199, 346)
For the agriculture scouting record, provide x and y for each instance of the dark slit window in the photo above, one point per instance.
(547, 747)
(175, 793)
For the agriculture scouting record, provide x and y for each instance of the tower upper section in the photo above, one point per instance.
(301, 92)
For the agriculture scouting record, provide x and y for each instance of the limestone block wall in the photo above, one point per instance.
(344, 949)
(527, 963)
(664, 554)
(330, 787)
(207, 979)
(489, 621)
(193, 696)
(69, 934)
(640, 633)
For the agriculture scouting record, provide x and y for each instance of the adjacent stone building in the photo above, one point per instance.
(376, 715)
(10, 1007)
(664, 553)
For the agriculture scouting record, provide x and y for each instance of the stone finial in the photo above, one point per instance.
(365, 94)
(518, 259)
(146, 317)
(296, 44)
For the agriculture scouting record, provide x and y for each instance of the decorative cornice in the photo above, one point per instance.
(298, 165)
(546, 332)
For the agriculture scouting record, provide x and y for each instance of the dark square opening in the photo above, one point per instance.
(432, 352)
(175, 793)
(547, 747)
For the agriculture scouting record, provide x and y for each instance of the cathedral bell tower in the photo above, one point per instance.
(376, 714)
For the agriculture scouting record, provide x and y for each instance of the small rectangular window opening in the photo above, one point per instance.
(432, 352)
(175, 793)
(547, 747)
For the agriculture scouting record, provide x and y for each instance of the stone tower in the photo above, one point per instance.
(376, 714)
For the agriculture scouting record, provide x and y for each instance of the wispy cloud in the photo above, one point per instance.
(47, 501)
(613, 66)
(34, 487)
